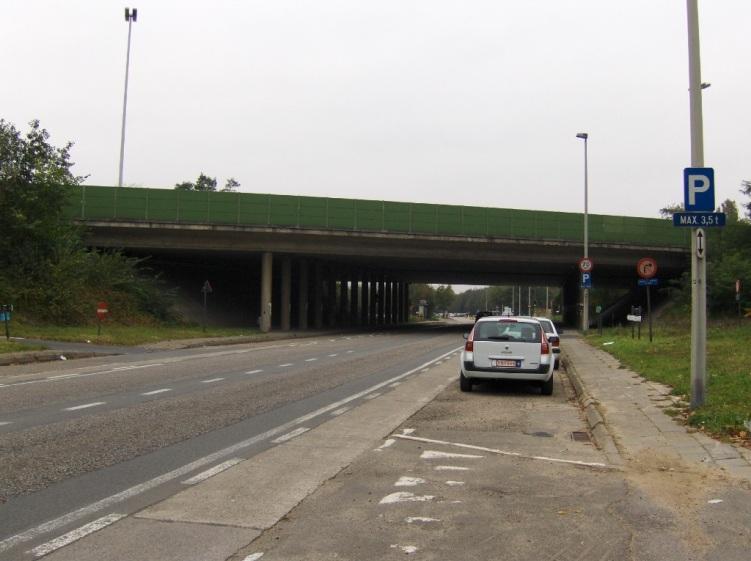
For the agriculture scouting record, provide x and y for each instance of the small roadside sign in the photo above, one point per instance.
(586, 265)
(649, 282)
(698, 189)
(646, 268)
(631, 317)
(701, 244)
(586, 280)
(102, 310)
(206, 288)
(699, 219)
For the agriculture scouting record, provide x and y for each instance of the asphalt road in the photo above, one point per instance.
(76, 433)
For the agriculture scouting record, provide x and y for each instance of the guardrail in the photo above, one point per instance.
(251, 209)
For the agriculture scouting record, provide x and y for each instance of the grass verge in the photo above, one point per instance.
(14, 347)
(727, 411)
(123, 335)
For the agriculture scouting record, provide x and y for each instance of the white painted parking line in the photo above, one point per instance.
(372, 396)
(75, 535)
(85, 406)
(451, 468)
(409, 481)
(285, 365)
(408, 549)
(413, 519)
(290, 435)
(438, 455)
(257, 371)
(310, 359)
(408, 431)
(135, 490)
(405, 497)
(254, 556)
(501, 453)
(163, 390)
(212, 472)
(340, 411)
(212, 380)
(389, 442)
(454, 483)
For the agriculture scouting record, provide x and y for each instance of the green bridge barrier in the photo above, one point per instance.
(250, 209)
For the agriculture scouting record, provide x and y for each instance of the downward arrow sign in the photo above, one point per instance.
(700, 243)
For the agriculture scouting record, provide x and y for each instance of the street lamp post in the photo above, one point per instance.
(585, 311)
(130, 17)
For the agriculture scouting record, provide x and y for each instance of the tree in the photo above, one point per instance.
(444, 297)
(730, 208)
(746, 190)
(669, 210)
(203, 183)
(231, 185)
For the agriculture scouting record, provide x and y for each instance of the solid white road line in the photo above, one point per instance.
(254, 371)
(126, 494)
(435, 455)
(157, 391)
(74, 535)
(212, 380)
(290, 435)
(86, 406)
(501, 453)
(212, 472)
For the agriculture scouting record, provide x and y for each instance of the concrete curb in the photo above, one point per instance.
(45, 356)
(596, 422)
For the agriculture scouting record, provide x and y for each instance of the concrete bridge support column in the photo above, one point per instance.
(381, 300)
(286, 303)
(302, 296)
(372, 301)
(395, 318)
(354, 299)
(388, 291)
(266, 269)
(318, 296)
(364, 299)
(343, 300)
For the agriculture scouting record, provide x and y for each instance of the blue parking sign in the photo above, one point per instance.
(586, 280)
(698, 189)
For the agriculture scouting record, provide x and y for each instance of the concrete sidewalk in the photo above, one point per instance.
(626, 414)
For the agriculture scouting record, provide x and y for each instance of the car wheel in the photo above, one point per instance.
(547, 387)
(464, 383)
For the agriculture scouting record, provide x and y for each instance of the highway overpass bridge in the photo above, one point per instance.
(291, 261)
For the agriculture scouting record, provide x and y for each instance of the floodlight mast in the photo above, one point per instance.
(130, 17)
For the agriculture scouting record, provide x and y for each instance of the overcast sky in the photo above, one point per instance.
(474, 103)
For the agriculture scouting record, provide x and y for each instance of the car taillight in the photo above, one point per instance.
(544, 345)
(469, 346)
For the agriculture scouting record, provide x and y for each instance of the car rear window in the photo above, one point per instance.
(508, 331)
(547, 325)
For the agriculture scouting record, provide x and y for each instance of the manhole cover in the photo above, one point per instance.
(580, 436)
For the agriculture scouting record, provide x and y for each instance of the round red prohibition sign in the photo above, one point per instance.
(646, 268)
(586, 265)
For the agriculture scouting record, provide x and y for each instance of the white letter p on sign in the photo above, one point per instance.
(697, 184)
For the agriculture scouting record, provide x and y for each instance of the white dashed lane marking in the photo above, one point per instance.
(340, 411)
(75, 535)
(335, 354)
(286, 365)
(451, 468)
(154, 392)
(85, 406)
(254, 371)
(405, 497)
(413, 519)
(3, 423)
(290, 435)
(212, 472)
(409, 481)
(212, 380)
(254, 556)
(310, 359)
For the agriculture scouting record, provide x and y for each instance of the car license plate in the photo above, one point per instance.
(501, 363)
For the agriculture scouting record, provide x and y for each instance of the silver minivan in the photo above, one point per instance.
(507, 348)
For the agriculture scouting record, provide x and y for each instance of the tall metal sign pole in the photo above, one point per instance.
(698, 262)
(130, 17)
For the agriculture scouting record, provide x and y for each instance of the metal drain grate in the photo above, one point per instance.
(580, 436)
